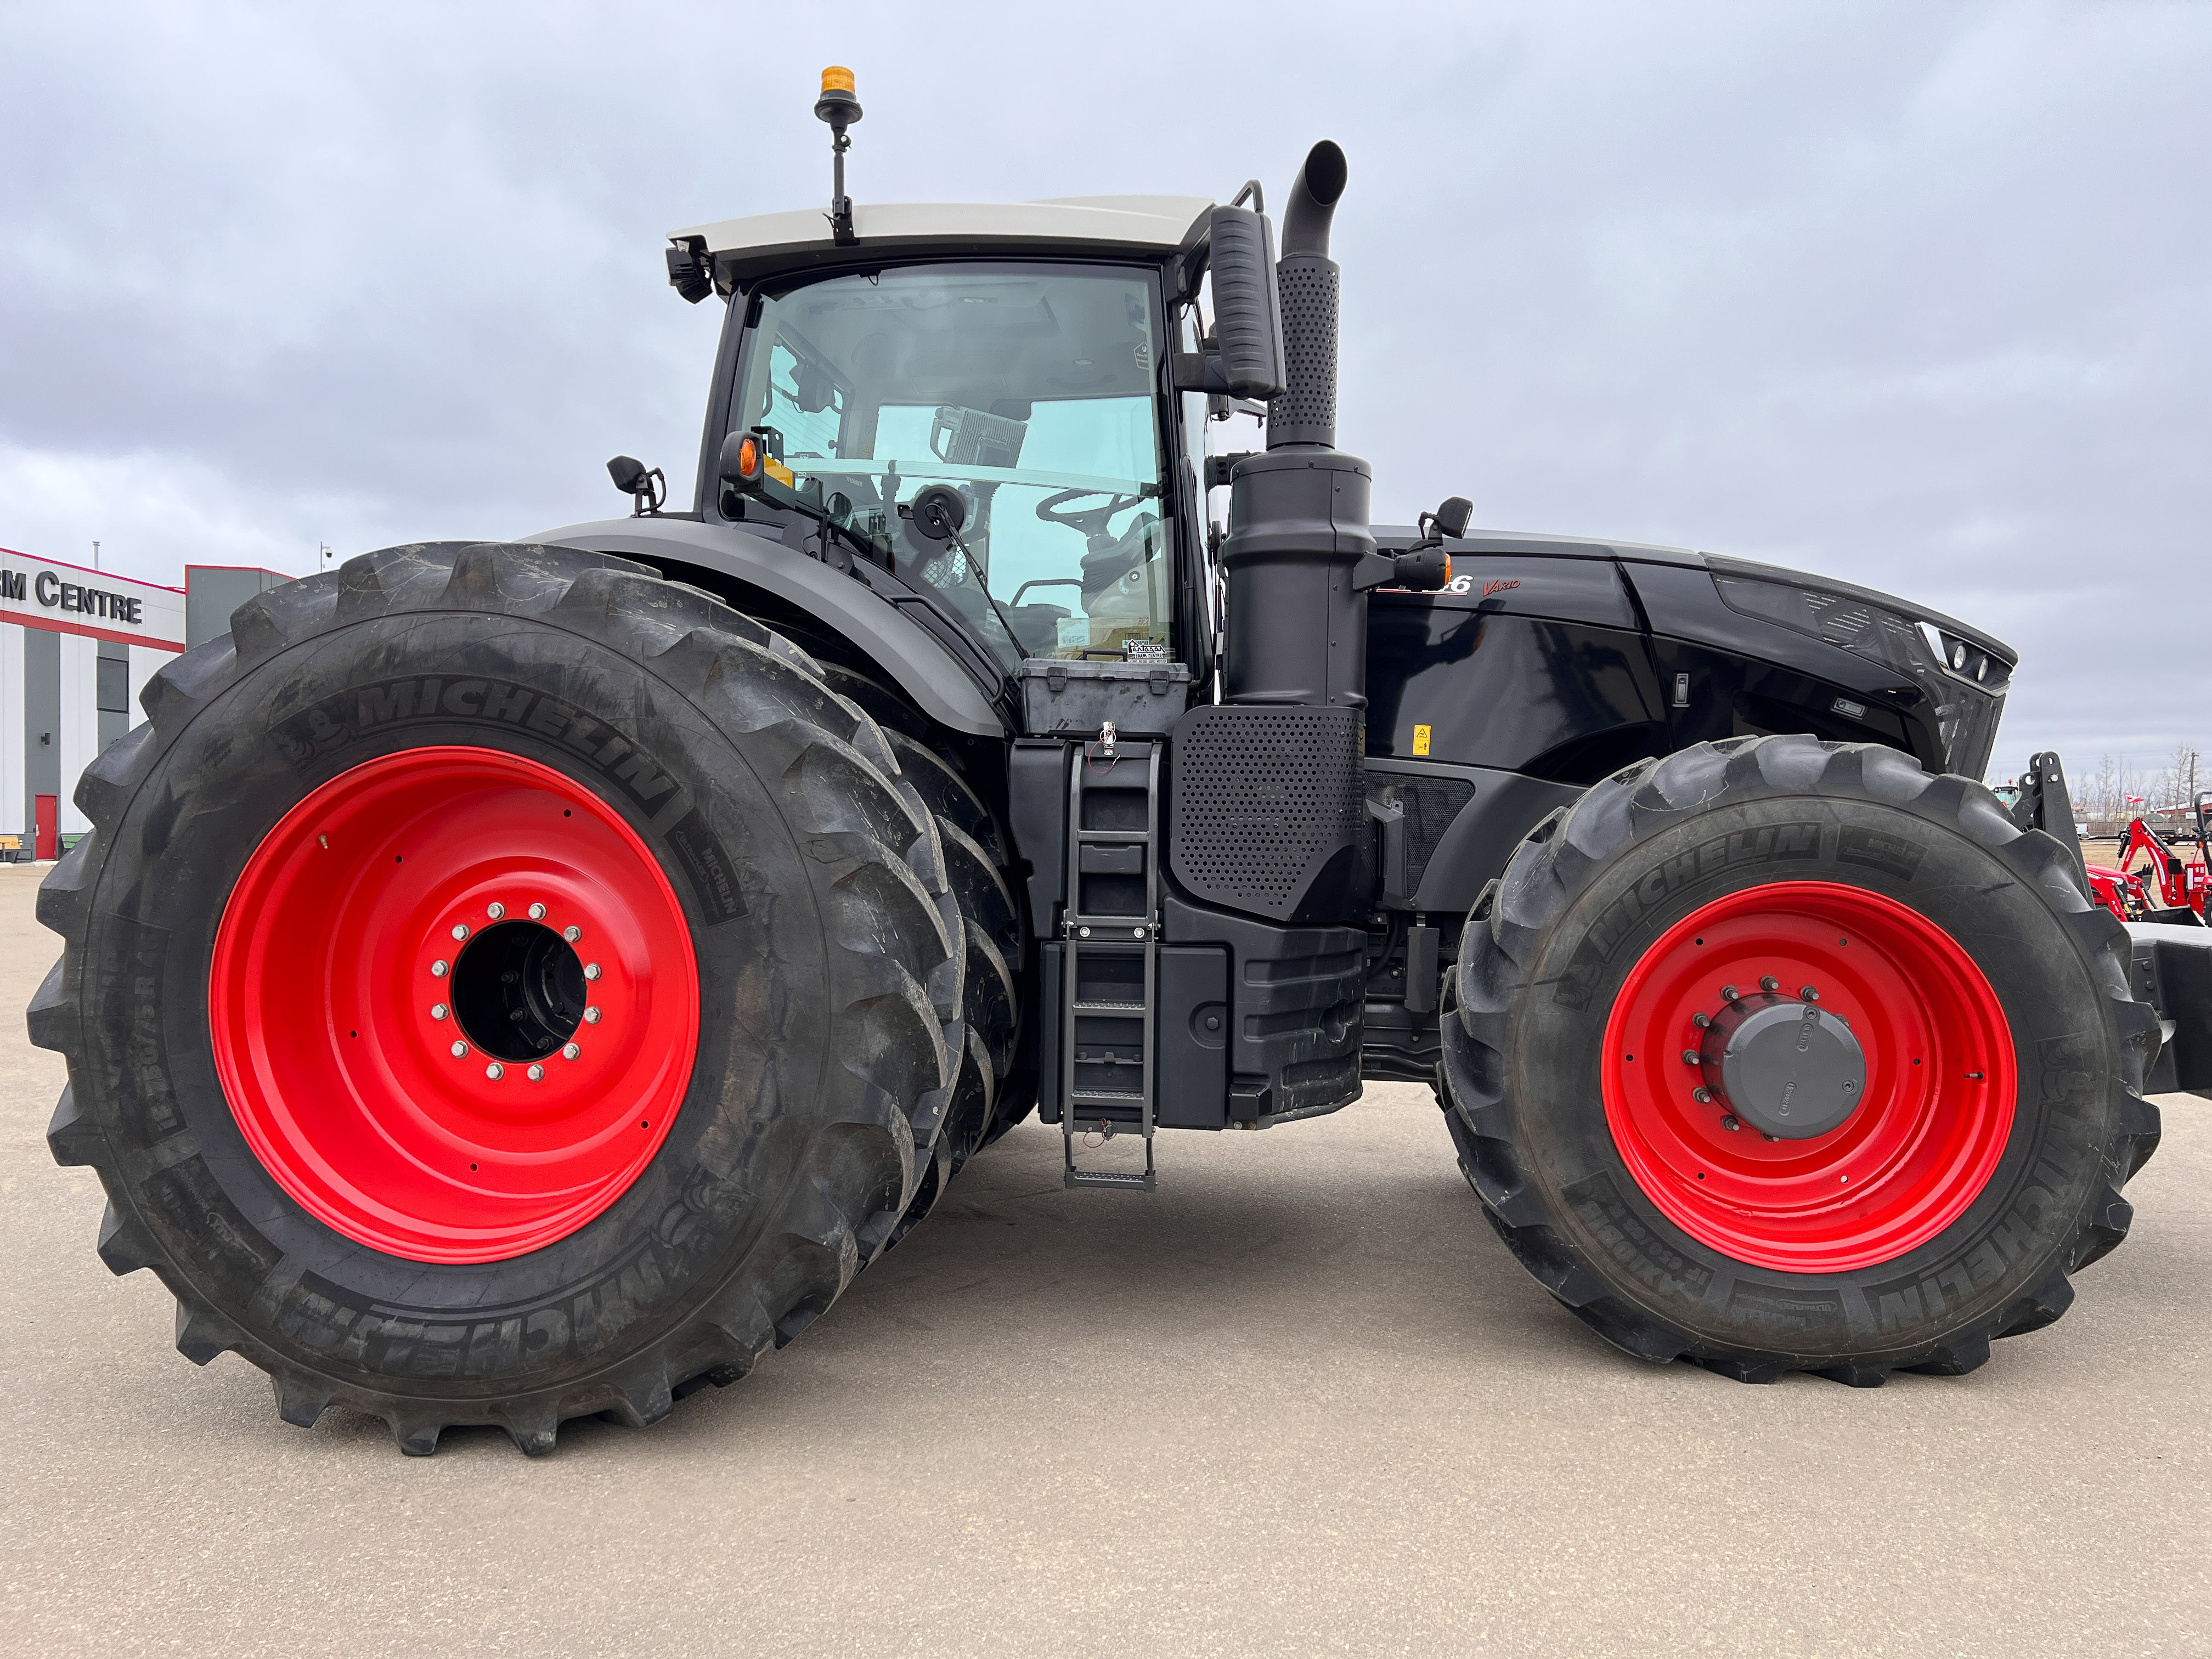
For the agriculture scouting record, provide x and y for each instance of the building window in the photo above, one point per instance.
(114, 694)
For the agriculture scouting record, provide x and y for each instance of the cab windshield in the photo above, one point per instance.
(1028, 390)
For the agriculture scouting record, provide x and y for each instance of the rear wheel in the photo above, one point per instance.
(501, 986)
(1784, 1055)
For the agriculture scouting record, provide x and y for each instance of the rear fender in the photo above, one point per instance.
(929, 674)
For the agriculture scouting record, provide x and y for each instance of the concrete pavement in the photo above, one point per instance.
(1300, 1400)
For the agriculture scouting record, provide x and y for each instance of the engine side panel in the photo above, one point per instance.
(1527, 661)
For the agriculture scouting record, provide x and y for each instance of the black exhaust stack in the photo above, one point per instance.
(1270, 790)
(1297, 514)
(1307, 278)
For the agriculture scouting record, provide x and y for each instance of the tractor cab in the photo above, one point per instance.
(1015, 402)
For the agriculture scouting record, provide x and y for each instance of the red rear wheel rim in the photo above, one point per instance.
(1938, 1101)
(339, 990)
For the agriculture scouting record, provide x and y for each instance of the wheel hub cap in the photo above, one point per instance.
(1782, 1065)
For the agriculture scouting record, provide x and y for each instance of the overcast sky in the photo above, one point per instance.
(1918, 295)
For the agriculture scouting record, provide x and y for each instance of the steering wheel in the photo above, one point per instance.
(1092, 520)
(1043, 581)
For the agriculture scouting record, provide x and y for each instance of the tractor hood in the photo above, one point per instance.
(1396, 538)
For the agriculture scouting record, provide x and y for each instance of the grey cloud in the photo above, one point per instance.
(1920, 295)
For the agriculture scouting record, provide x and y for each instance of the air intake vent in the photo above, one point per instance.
(1268, 809)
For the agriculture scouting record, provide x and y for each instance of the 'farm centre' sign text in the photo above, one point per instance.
(45, 593)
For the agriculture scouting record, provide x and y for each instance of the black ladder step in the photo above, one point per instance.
(1109, 1007)
(1135, 1183)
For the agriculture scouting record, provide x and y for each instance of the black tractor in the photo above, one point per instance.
(513, 982)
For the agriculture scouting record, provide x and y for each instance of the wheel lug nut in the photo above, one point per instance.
(437, 970)
(495, 911)
(494, 1071)
(538, 912)
(1770, 984)
(591, 970)
(1701, 1020)
(1730, 1124)
(569, 1051)
(1703, 1097)
(1728, 994)
(460, 930)
(592, 1016)
(1691, 1057)
(571, 933)
(1768, 1139)
(460, 1051)
(439, 1010)
(1808, 993)
(535, 1074)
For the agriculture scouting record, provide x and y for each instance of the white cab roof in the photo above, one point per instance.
(766, 241)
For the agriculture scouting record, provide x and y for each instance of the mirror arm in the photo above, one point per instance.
(1372, 570)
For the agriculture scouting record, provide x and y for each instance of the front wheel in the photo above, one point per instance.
(1784, 1055)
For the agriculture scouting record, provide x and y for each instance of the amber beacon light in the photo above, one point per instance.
(839, 106)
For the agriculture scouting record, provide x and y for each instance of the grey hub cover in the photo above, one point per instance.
(1787, 1068)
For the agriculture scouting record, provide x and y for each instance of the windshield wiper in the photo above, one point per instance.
(990, 598)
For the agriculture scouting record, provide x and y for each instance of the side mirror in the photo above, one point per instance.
(1447, 522)
(647, 487)
(1247, 358)
(935, 513)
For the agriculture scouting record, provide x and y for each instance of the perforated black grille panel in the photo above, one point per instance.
(1263, 801)
(1306, 412)
(1431, 805)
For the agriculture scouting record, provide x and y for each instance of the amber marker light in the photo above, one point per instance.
(749, 458)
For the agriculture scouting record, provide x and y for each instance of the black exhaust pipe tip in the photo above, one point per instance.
(1314, 197)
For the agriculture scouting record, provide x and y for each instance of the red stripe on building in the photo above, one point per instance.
(56, 625)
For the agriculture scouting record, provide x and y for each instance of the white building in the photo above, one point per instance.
(77, 646)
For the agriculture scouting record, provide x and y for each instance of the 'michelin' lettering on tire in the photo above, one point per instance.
(833, 1044)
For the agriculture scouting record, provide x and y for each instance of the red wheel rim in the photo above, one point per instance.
(340, 989)
(1934, 1116)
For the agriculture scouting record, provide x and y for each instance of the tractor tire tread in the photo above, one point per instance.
(1564, 852)
(866, 1158)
